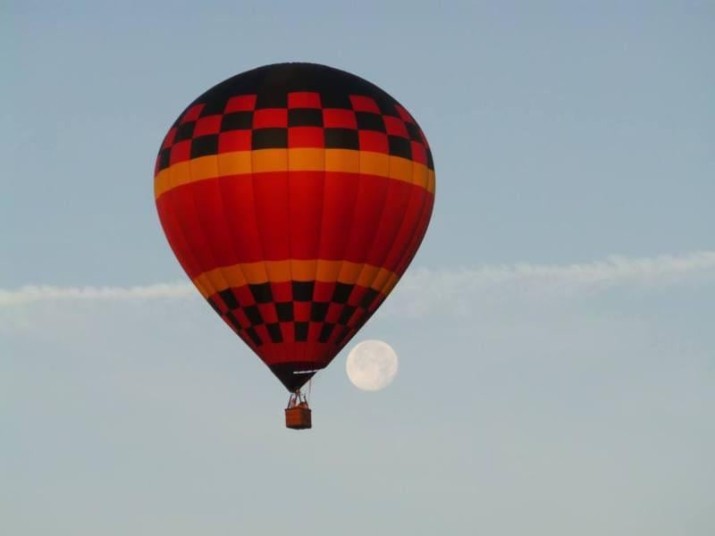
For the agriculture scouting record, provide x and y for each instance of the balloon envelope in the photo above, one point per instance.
(295, 196)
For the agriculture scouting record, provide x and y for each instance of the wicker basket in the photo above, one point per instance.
(298, 417)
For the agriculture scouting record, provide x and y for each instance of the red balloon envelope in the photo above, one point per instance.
(295, 196)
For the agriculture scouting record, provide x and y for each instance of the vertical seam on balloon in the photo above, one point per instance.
(348, 240)
(427, 207)
(413, 245)
(406, 258)
(323, 184)
(321, 224)
(390, 183)
(187, 250)
(209, 245)
(229, 226)
(425, 216)
(289, 219)
(414, 191)
(182, 231)
(220, 197)
(259, 236)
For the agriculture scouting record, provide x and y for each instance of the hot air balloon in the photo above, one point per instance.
(295, 196)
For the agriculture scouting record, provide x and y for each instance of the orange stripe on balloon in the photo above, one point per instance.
(319, 216)
(300, 159)
(251, 273)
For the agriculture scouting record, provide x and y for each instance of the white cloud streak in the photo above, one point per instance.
(438, 285)
(44, 293)
(427, 291)
(612, 271)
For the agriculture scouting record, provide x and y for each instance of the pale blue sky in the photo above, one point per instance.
(544, 387)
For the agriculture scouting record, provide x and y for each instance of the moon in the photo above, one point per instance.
(371, 365)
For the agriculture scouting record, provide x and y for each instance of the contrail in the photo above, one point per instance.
(426, 292)
(45, 293)
(613, 271)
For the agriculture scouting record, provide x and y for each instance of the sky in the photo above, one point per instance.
(557, 356)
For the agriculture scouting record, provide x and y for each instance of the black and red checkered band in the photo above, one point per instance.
(314, 107)
(296, 311)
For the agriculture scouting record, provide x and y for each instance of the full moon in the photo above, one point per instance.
(371, 365)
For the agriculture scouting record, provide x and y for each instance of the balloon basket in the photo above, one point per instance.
(298, 418)
(298, 414)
